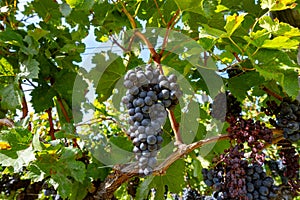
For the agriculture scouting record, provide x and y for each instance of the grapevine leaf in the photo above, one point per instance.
(144, 188)
(65, 185)
(281, 42)
(283, 70)
(64, 83)
(42, 98)
(74, 3)
(174, 178)
(77, 170)
(20, 153)
(38, 33)
(190, 5)
(213, 31)
(10, 96)
(29, 69)
(233, 22)
(239, 85)
(274, 5)
(6, 69)
(17, 159)
(11, 37)
(258, 38)
(79, 191)
(48, 10)
(122, 142)
(106, 73)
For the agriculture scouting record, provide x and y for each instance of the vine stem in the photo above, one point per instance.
(24, 103)
(65, 113)
(52, 130)
(269, 92)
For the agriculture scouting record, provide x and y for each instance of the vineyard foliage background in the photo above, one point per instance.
(43, 52)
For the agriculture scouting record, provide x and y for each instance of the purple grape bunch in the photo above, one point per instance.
(148, 95)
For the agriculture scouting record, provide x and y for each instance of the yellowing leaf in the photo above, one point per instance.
(274, 5)
(6, 68)
(74, 3)
(233, 22)
(4, 145)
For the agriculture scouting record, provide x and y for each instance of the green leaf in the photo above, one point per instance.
(64, 83)
(121, 142)
(174, 179)
(233, 22)
(10, 97)
(258, 38)
(67, 131)
(32, 46)
(21, 152)
(29, 69)
(77, 170)
(42, 98)
(48, 10)
(190, 5)
(144, 187)
(64, 184)
(106, 73)
(17, 159)
(79, 191)
(273, 5)
(276, 65)
(212, 31)
(239, 85)
(38, 33)
(11, 37)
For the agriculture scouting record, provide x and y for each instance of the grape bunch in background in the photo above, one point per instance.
(148, 95)
(288, 119)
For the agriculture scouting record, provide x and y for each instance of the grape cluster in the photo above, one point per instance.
(51, 192)
(288, 118)
(259, 185)
(10, 183)
(228, 178)
(254, 133)
(14, 187)
(191, 194)
(148, 95)
(248, 182)
(225, 105)
(290, 161)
